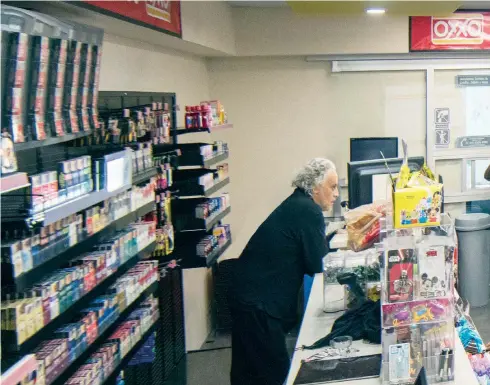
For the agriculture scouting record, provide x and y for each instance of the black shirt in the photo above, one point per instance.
(289, 244)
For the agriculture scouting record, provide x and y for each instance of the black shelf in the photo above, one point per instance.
(74, 206)
(209, 223)
(64, 254)
(183, 131)
(197, 160)
(213, 257)
(49, 141)
(191, 190)
(9, 344)
(124, 362)
(144, 176)
(73, 366)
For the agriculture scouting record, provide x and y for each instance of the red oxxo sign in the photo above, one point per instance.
(158, 15)
(469, 31)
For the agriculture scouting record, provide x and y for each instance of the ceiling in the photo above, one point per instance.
(396, 7)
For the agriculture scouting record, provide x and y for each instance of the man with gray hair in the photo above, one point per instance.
(268, 276)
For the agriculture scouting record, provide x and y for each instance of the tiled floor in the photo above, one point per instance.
(212, 367)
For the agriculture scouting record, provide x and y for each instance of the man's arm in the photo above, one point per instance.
(312, 235)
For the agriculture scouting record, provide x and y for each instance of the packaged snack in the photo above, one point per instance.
(363, 227)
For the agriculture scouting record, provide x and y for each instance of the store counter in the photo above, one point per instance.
(317, 324)
(339, 240)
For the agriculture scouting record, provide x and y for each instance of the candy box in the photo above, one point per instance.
(417, 206)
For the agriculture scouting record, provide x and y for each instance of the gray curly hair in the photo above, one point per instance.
(312, 174)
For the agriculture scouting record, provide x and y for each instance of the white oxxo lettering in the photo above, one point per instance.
(458, 28)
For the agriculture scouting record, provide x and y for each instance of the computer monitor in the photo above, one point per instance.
(369, 148)
(360, 177)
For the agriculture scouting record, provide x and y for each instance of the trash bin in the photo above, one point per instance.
(474, 257)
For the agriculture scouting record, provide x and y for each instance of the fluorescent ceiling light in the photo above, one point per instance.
(375, 11)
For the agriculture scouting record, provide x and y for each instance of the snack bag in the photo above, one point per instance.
(363, 225)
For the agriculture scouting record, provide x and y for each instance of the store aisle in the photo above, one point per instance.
(210, 367)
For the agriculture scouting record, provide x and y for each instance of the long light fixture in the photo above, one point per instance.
(375, 11)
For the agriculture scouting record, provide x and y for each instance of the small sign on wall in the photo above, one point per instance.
(442, 137)
(473, 80)
(473, 141)
(442, 120)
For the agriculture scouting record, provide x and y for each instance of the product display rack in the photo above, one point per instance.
(417, 302)
(61, 253)
(183, 131)
(190, 188)
(33, 144)
(208, 223)
(187, 187)
(38, 156)
(101, 338)
(144, 176)
(9, 344)
(124, 362)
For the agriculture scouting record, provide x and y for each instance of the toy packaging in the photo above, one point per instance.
(400, 275)
(432, 271)
(417, 304)
(417, 197)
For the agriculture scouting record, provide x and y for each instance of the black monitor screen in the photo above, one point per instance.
(369, 148)
(360, 175)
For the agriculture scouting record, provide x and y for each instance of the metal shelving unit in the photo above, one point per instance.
(61, 253)
(102, 337)
(9, 344)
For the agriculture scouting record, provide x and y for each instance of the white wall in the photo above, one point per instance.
(128, 65)
(209, 24)
(286, 111)
(278, 31)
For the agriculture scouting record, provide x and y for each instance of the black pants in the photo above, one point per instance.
(259, 354)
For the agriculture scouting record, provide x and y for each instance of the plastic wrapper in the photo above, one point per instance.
(363, 227)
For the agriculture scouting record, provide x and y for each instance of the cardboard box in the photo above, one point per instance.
(417, 206)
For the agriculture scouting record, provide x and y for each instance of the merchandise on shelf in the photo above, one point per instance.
(205, 116)
(71, 340)
(52, 75)
(142, 158)
(218, 114)
(104, 361)
(17, 46)
(418, 303)
(151, 122)
(24, 372)
(211, 243)
(55, 293)
(72, 180)
(209, 179)
(23, 255)
(212, 207)
(164, 176)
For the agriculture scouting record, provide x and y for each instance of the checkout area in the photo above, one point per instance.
(386, 310)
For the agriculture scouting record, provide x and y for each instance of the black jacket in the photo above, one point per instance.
(289, 244)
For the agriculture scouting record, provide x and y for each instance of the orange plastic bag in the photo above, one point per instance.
(363, 225)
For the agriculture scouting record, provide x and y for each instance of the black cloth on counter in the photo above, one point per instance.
(288, 244)
(362, 323)
(259, 354)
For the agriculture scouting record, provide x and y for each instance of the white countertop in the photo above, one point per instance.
(317, 324)
(339, 241)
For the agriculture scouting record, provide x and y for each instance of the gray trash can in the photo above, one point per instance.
(474, 258)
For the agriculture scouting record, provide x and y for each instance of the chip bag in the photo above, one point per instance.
(363, 227)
